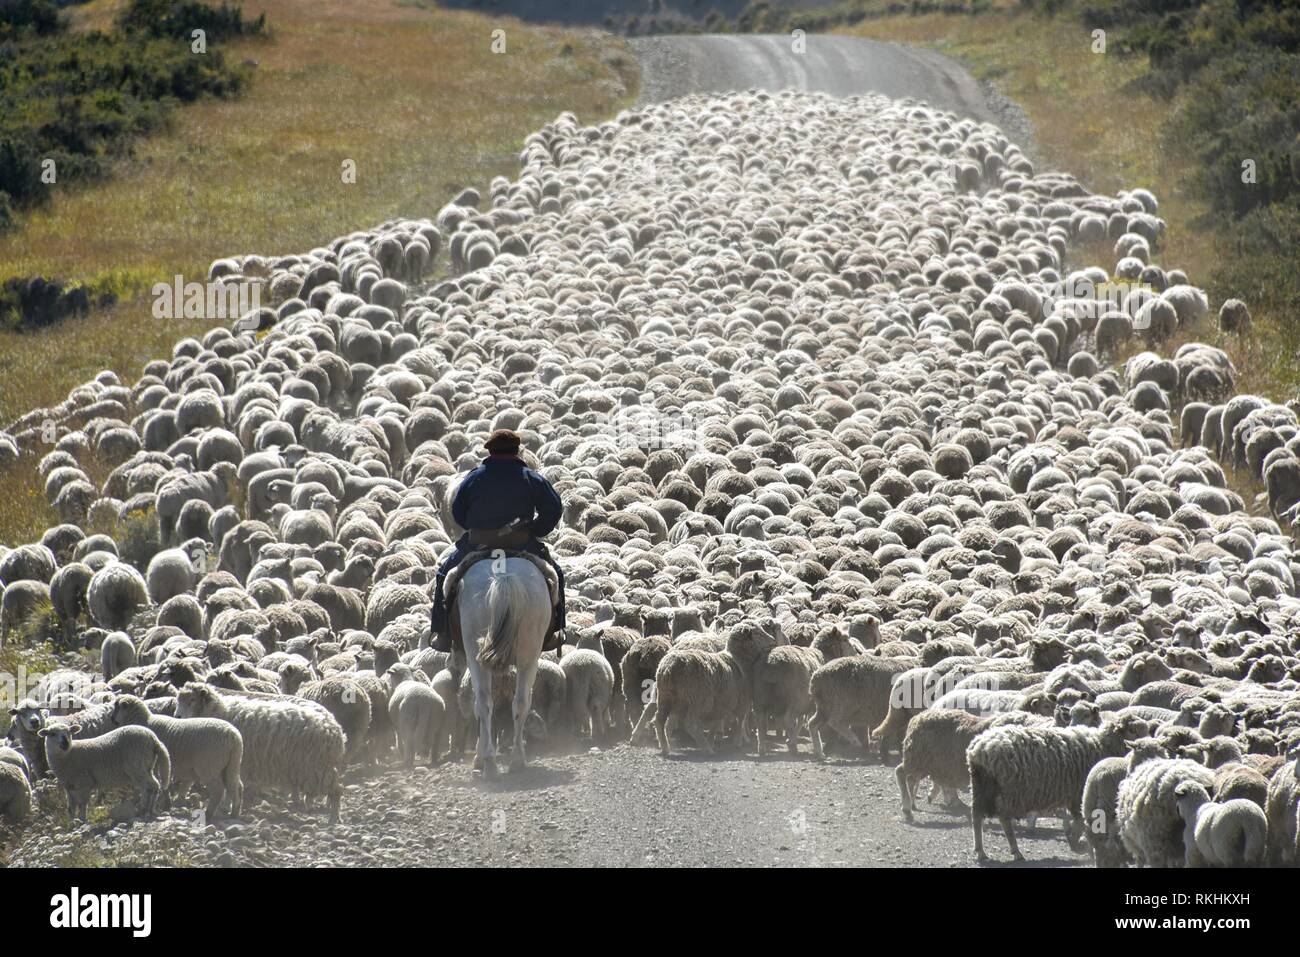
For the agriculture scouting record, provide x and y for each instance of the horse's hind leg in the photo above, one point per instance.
(522, 705)
(485, 756)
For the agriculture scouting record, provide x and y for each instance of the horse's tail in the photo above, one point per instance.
(501, 596)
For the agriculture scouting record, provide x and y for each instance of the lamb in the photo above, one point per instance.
(126, 757)
(15, 794)
(1220, 834)
(694, 688)
(1147, 812)
(203, 751)
(289, 743)
(116, 654)
(783, 685)
(589, 686)
(1017, 771)
(27, 720)
(417, 712)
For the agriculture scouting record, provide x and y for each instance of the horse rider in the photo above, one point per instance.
(498, 492)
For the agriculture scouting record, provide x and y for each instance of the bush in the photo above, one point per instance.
(178, 18)
(79, 99)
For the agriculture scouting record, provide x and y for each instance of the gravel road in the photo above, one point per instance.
(672, 66)
(622, 807)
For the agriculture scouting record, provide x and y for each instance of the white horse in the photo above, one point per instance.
(505, 610)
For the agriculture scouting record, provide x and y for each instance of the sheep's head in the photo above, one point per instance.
(128, 709)
(1144, 749)
(29, 716)
(60, 735)
(1190, 796)
(197, 700)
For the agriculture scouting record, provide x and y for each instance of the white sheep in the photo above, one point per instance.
(289, 743)
(1220, 834)
(698, 688)
(589, 687)
(114, 595)
(15, 794)
(1017, 771)
(1147, 812)
(203, 751)
(116, 654)
(417, 712)
(126, 757)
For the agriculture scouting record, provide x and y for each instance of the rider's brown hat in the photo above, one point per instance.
(503, 440)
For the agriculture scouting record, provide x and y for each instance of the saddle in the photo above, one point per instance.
(451, 587)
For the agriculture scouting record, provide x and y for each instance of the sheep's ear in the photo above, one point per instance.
(43, 732)
(13, 712)
(75, 729)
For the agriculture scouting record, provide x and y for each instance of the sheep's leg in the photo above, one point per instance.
(1009, 829)
(644, 723)
(816, 742)
(842, 728)
(235, 788)
(665, 726)
(523, 703)
(761, 714)
(904, 790)
(1073, 825)
(792, 732)
(977, 825)
(695, 728)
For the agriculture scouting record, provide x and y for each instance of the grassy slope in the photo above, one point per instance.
(413, 95)
(1087, 123)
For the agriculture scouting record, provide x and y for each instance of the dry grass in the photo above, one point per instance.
(1087, 123)
(414, 96)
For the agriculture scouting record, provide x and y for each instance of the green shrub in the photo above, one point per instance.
(178, 18)
(79, 99)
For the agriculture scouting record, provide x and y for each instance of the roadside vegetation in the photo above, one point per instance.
(411, 93)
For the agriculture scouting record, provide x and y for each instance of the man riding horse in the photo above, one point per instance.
(499, 492)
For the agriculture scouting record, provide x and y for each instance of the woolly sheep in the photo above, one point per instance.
(1149, 822)
(203, 751)
(15, 794)
(417, 713)
(117, 653)
(1220, 834)
(114, 595)
(1017, 771)
(695, 688)
(289, 743)
(589, 686)
(126, 757)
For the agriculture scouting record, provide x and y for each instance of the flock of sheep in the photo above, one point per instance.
(915, 512)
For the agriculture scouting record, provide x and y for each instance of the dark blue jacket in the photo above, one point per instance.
(503, 489)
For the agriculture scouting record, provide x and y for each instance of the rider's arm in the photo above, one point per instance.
(460, 504)
(547, 503)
